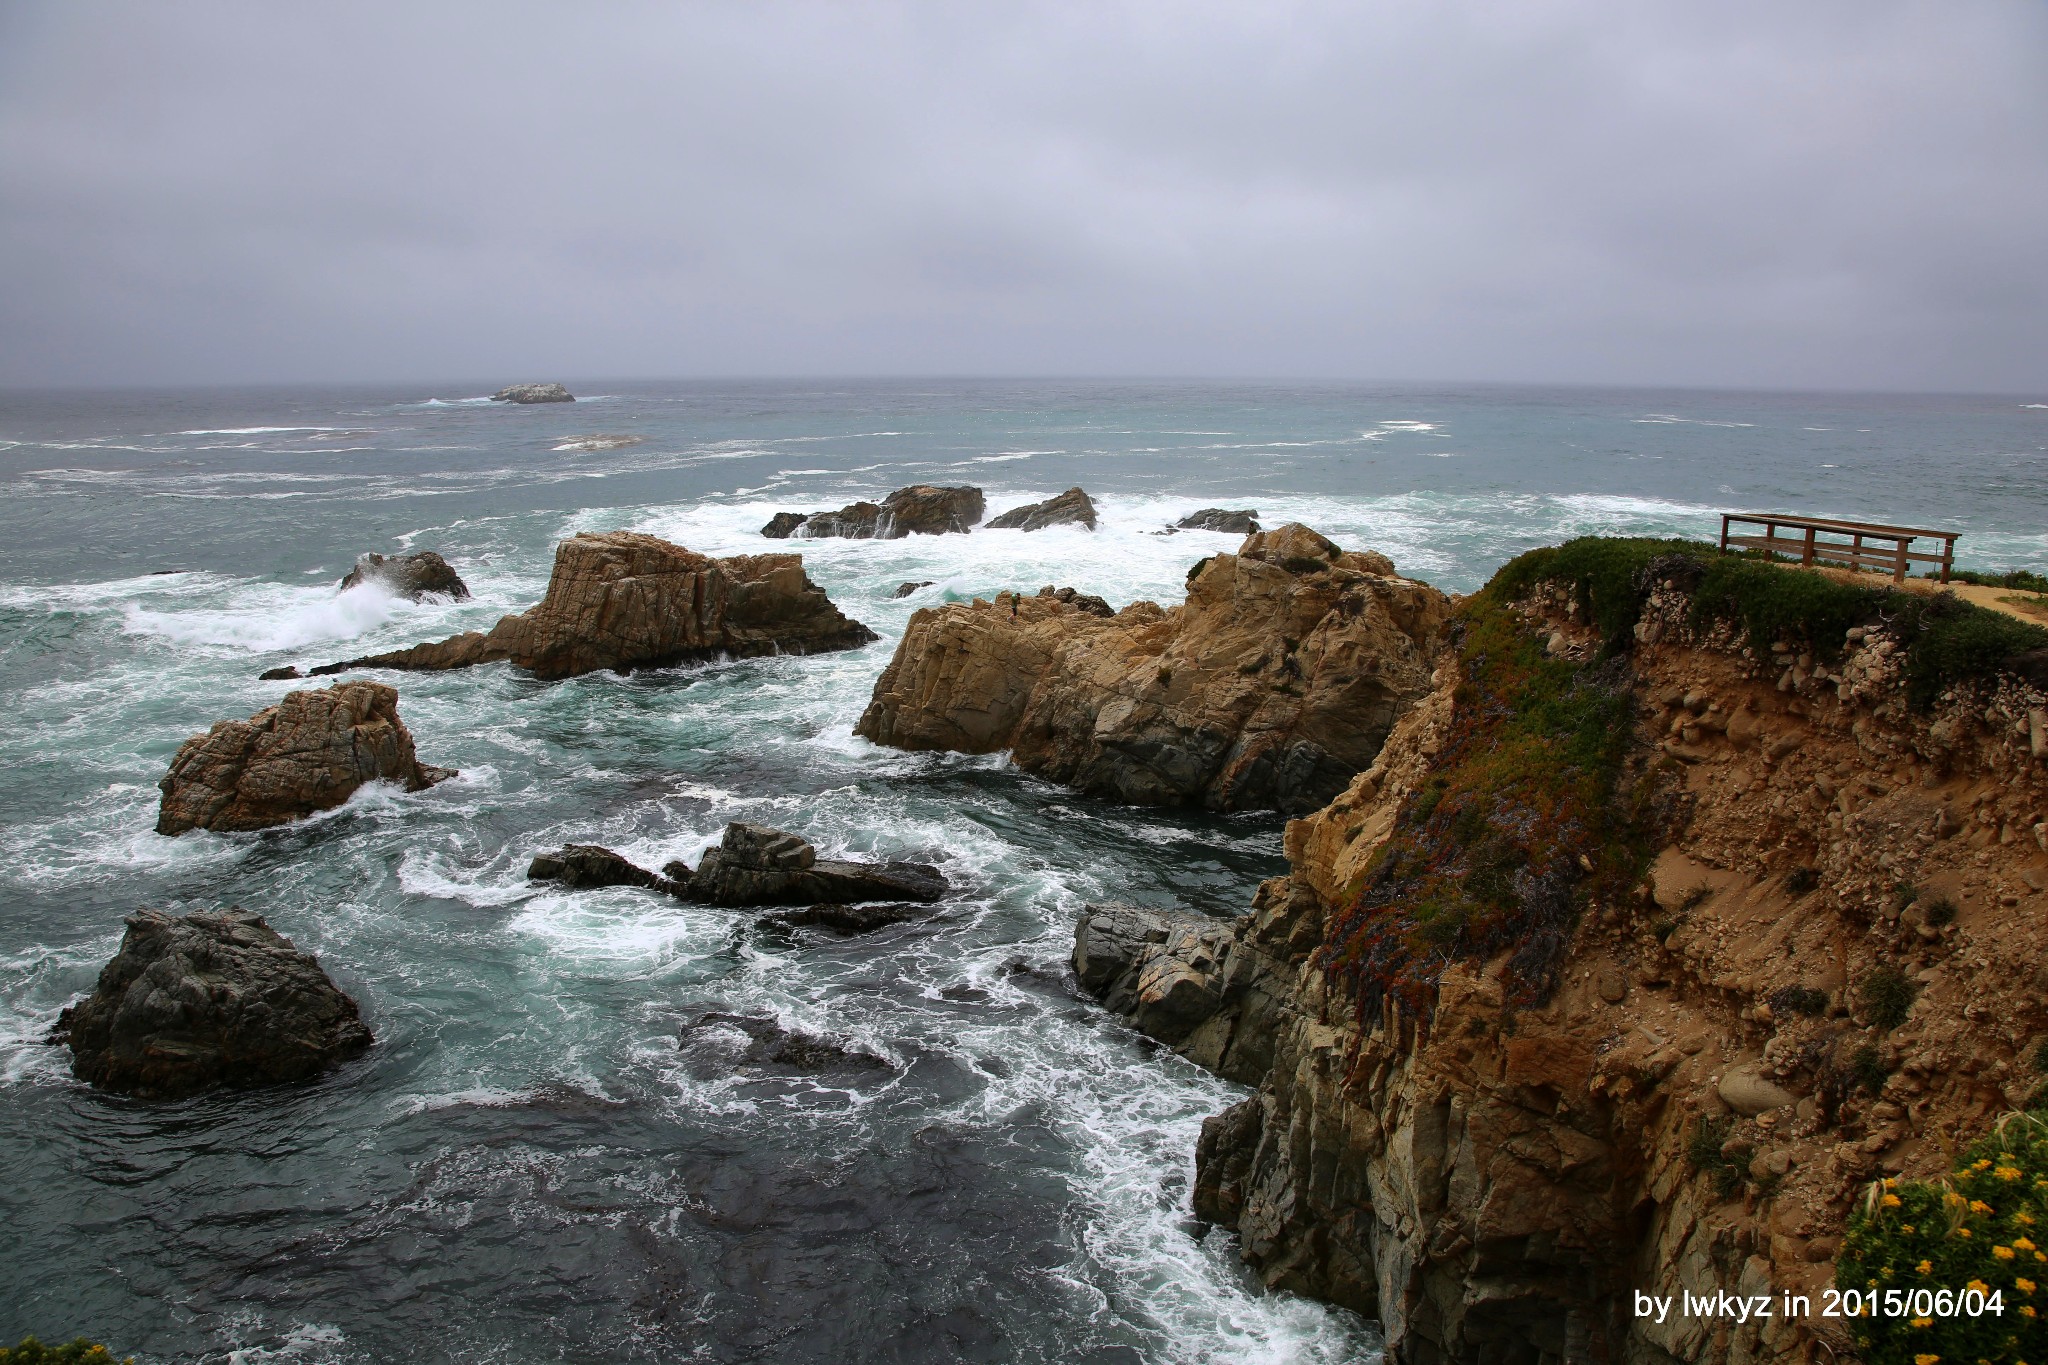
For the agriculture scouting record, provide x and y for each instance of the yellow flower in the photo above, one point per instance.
(1953, 1198)
(2022, 1244)
(2024, 1285)
(1924, 1322)
(2007, 1173)
(1979, 1286)
(2002, 1253)
(1925, 1267)
(1907, 1227)
(1926, 1360)
(1891, 1182)
(2025, 1220)
(2027, 1310)
(1890, 1201)
(1979, 1206)
(1980, 1163)
(1962, 1232)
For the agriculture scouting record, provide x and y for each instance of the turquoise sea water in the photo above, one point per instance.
(527, 1166)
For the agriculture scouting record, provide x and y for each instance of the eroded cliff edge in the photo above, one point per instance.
(1692, 896)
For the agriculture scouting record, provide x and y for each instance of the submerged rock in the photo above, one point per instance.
(1072, 507)
(307, 753)
(583, 867)
(1273, 684)
(757, 1042)
(414, 575)
(844, 920)
(622, 600)
(921, 509)
(601, 441)
(905, 589)
(755, 865)
(288, 673)
(533, 393)
(1241, 523)
(206, 1000)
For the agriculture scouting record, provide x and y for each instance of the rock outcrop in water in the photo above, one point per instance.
(621, 600)
(921, 509)
(415, 575)
(1506, 1079)
(308, 753)
(753, 865)
(1269, 688)
(533, 393)
(210, 999)
(1071, 508)
(1241, 523)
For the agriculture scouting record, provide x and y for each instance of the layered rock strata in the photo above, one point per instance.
(1698, 1101)
(209, 999)
(415, 576)
(308, 753)
(1071, 508)
(1269, 687)
(921, 509)
(621, 600)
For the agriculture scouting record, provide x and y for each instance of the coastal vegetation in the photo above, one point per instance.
(78, 1352)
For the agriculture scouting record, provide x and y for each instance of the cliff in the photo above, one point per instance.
(1271, 686)
(1694, 895)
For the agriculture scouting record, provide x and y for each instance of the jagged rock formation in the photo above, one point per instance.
(1072, 507)
(1836, 968)
(622, 600)
(922, 509)
(1270, 687)
(844, 920)
(533, 393)
(1242, 523)
(414, 575)
(905, 589)
(307, 753)
(585, 867)
(755, 865)
(718, 1042)
(210, 999)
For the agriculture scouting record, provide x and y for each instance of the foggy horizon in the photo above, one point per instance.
(1842, 199)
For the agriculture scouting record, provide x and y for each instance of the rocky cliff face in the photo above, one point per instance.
(307, 753)
(1834, 968)
(206, 1000)
(622, 600)
(1270, 687)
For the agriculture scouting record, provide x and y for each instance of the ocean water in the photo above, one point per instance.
(529, 1166)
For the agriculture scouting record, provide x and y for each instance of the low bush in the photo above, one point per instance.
(1798, 1000)
(1887, 996)
(1706, 1151)
(79, 1352)
(1979, 1230)
(2021, 579)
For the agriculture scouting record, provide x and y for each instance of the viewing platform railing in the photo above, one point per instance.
(1857, 544)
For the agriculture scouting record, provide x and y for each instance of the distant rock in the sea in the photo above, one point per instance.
(622, 600)
(308, 753)
(921, 509)
(1071, 508)
(755, 865)
(600, 442)
(905, 589)
(415, 576)
(287, 673)
(1241, 523)
(1269, 688)
(206, 1000)
(533, 393)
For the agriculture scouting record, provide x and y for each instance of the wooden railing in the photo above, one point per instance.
(1859, 544)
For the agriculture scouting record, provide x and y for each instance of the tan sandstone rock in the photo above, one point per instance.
(622, 600)
(307, 753)
(1271, 686)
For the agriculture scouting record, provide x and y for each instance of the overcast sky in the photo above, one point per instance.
(1780, 194)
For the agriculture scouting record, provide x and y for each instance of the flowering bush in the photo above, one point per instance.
(79, 1352)
(1983, 1229)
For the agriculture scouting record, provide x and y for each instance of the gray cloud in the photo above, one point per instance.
(1826, 194)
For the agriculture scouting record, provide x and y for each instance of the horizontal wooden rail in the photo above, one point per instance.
(1893, 553)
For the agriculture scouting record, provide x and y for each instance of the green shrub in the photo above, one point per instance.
(1798, 1000)
(2021, 579)
(1867, 1069)
(1981, 1228)
(1705, 1150)
(1939, 912)
(79, 1352)
(1887, 996)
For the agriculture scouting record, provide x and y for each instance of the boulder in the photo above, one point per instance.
(307, 753)
(622, 600)
(414, 575)
(1747, 1091)
(844, 920)
(921, 509)
(1270, 687)
(1072, 507)
(755, 865)
(584, 867)
(1087, 602)
(717, 1041)
(782, 525)
(533, 393)
(288, 673)
(905, 589)
(1220, 519)
(210, 999)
